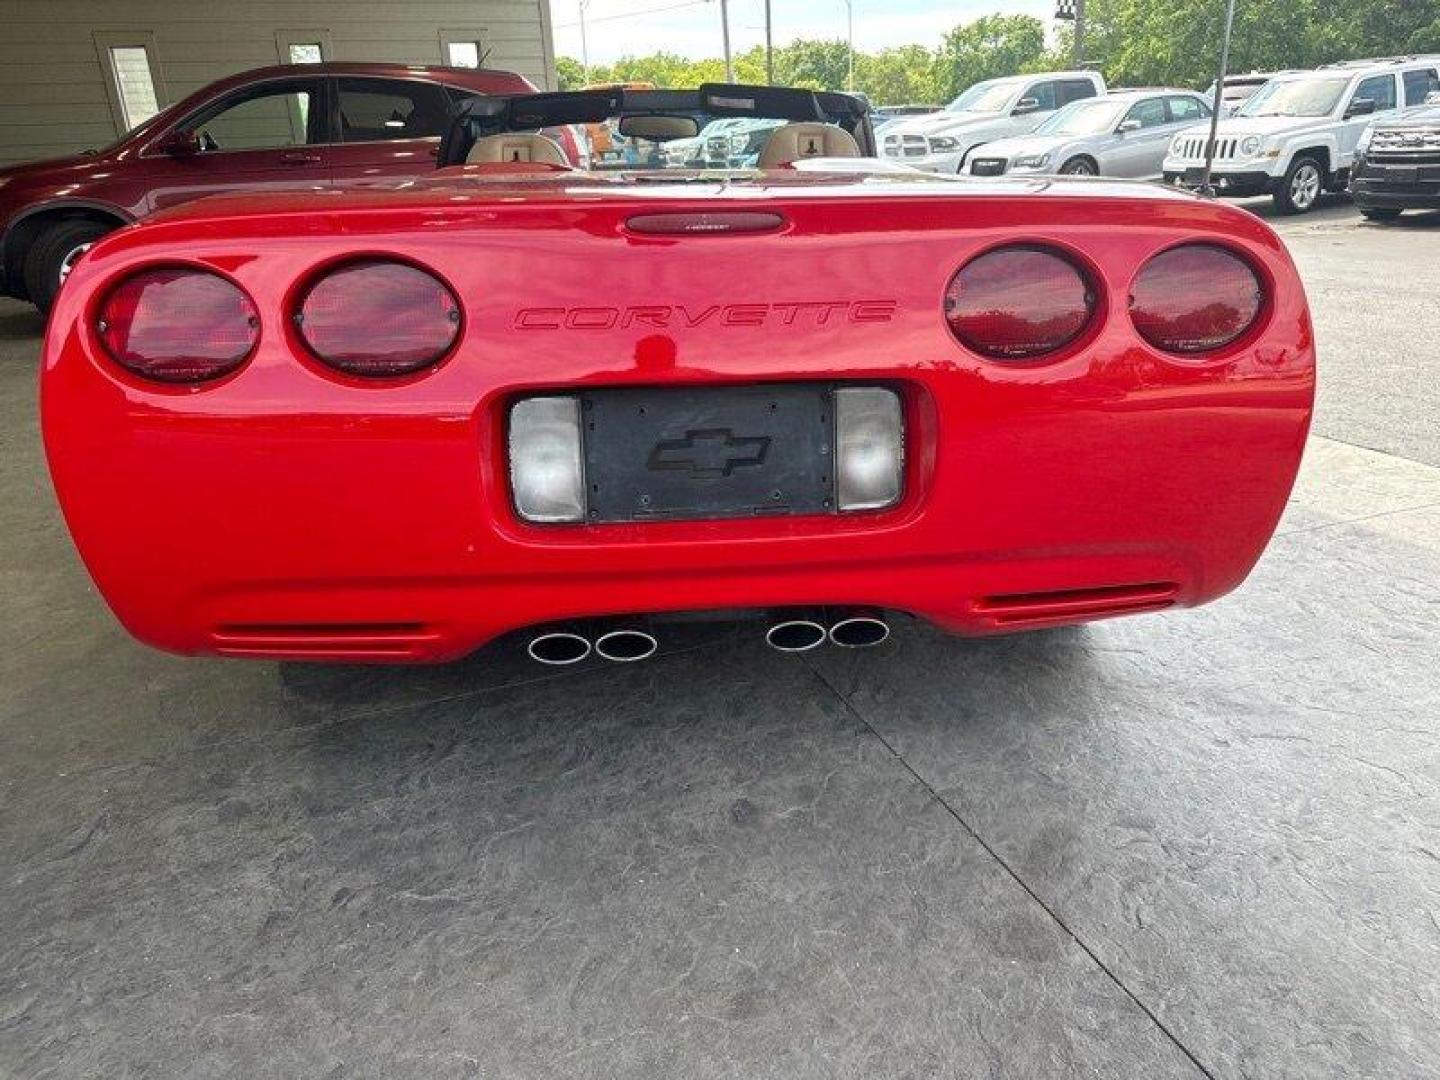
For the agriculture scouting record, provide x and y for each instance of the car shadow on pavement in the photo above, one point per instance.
(24, 324)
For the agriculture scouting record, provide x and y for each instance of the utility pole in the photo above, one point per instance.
(725, 33)
(769, 50)
(850, 39)
(584, 46)
(1206, 188)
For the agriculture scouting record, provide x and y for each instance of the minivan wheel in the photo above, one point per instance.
(1301, 188)
(54, 252)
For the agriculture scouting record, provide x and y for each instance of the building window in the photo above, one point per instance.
(133, 82)
(303, 46)
(138, 102)
(463, 48)
(463, 54)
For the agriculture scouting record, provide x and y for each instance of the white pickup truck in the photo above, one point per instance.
(994, 109)
(1297, 136)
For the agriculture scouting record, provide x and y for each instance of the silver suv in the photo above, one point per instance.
(990, 110)
(1122, 134)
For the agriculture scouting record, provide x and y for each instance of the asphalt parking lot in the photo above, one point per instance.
(1202, 843)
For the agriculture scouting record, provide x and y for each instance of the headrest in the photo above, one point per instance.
(519, 146)
(790, 142)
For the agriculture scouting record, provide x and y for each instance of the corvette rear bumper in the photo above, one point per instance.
(253, 544)
(418, 620)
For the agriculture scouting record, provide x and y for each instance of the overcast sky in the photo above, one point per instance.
(615, 28)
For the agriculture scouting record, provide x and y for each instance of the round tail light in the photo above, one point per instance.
(176, 324)
(379, 318)
(1019, 303)
(1195, 299)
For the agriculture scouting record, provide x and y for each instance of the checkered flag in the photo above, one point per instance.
(1065, 10)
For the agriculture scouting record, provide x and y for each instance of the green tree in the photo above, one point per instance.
(899, 76)
(1135, 43)
(989, 47)
(569, 72)
(818, 65)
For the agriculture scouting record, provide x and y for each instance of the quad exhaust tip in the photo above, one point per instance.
(859, 632)
(626, 646)
(558, 649)
(795, 635)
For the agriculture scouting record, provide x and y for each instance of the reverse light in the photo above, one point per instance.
(1019, 303)
(178, 324)
(379, 319)
(1195, 299)
(869, 448)
(547, 474)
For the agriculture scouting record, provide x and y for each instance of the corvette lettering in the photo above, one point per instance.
(679, 316)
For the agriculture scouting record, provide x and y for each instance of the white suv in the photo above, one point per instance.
(990, 110)
(1297, 136)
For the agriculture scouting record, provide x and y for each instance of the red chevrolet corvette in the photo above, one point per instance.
(392, 425)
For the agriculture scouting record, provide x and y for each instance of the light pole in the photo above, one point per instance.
(584, 46)
(850, 43)
(1206, 188)
(769, 50)
(1079, 34)
(725, 33)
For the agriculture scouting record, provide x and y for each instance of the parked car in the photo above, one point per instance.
(1239, 89)
(747, 141)
(445, 411)
(1297, 136)
(310, 125)
(991, 110)
(710, 144)
(1124, 134)
(599, 139)
(883, 116)
(1397, 164)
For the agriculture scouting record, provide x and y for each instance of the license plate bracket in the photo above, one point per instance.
(712, 452)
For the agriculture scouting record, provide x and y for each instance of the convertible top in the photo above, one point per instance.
(478, 117)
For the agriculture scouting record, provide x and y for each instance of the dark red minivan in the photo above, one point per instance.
(311, 125)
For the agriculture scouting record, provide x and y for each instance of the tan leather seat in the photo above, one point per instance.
(790, 142)
(519, 146)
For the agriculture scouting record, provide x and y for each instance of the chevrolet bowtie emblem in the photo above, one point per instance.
(715, 452)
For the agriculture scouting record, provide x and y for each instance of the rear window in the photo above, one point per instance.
(1186, 110)
(1419, 85)
(1069, 90)
(372, 110)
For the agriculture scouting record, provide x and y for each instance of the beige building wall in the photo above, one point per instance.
(58, 93)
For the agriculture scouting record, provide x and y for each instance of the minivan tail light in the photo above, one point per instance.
(378, 318)
(1195, 299)
(178, 324)
(1019, 303)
